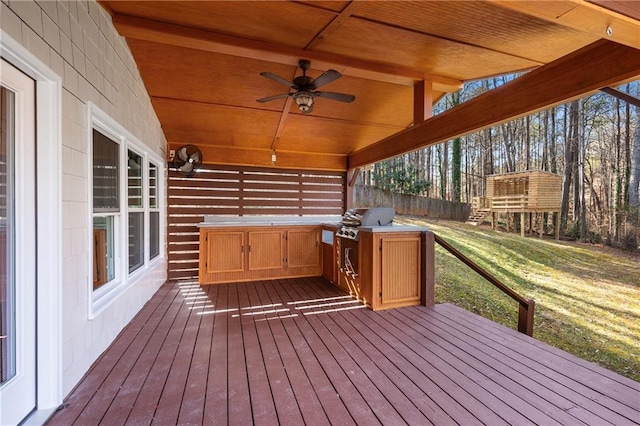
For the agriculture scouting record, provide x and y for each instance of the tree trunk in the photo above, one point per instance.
(570, 163)
(456, 158)
(634, 178)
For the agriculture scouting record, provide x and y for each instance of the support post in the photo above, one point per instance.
(525, 317)
(522, 222)
(541, 224)
(350, 187)
(422, 101)
(428, 279)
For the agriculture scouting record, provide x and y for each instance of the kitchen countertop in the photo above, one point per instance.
(213, 221)
(229, 221)
(393, 228)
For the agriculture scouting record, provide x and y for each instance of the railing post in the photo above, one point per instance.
(525, 317)
(428, 280)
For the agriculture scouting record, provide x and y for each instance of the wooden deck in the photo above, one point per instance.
(298, 351)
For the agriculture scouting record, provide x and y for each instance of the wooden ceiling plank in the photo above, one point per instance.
(583, 16)
(176, 35)
(238, 156)
(600, 64)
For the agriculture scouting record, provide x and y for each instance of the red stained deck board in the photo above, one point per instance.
(306, 397)
(193, 400)
(387, 403)
(149, 396)
(529, 385)
(281, 391)
(613, 397)
(239, 401)
(262, 404)
(296, 351)
(171, 399)
(108, 374)
(216, 401)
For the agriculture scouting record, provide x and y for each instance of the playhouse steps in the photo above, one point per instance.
(477, 217)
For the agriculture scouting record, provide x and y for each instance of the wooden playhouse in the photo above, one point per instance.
(531, 194)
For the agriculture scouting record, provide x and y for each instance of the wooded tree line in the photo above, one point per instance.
(593, 142)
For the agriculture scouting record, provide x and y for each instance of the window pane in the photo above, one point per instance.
(7, 239)
(154, 234)
(153, 186)
(134, 174)
(105, 174)
(136, 240)
(104, 265)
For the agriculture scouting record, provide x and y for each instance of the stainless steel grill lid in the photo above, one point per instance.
(378, 216)
(354, 218)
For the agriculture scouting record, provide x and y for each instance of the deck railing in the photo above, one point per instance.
(509, 202)
(527, 306)
(478, 203)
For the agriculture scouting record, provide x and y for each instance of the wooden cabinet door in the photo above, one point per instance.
(303, 247)
(400, 270)
(266, 249)
(222, 256)
(226, 251)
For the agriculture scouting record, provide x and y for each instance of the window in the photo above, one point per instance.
(106, 207)
(126, 209)
(136, 210)
(154, 213)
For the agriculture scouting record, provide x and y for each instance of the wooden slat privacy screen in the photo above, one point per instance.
(233, 191)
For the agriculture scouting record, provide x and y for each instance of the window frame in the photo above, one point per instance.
(138, 209)
(152, 209)
(105, 295)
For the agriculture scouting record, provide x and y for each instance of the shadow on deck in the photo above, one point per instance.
(299, 351)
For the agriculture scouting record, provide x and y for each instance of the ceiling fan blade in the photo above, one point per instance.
(276, 78)
(274, 97)
(341, 97)
(325, 78)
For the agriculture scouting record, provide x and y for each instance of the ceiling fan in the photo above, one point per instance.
(305, 88)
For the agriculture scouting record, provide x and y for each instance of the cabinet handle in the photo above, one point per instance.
(241, 249)
(249, 248)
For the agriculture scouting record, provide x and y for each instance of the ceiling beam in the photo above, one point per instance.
(630, 99)
(262, 158)
(176, 35)
(600, 64)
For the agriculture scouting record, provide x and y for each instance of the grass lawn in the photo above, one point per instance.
(587, 297)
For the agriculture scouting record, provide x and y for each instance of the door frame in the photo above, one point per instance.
(49, 223)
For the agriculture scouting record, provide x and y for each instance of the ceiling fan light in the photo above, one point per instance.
(304, 100)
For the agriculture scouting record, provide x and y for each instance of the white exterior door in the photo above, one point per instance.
(17, 245)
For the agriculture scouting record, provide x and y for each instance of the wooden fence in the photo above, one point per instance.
(371, 196)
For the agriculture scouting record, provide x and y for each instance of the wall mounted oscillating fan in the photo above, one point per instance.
(187, 160)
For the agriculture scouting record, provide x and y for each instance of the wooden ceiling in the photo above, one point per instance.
(201, 63)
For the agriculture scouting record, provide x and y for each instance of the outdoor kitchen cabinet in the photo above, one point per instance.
(255, 253)
(390, 269)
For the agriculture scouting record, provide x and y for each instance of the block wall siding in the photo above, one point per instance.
(77, 40)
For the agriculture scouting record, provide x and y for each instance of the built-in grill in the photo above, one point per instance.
(353, 219)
